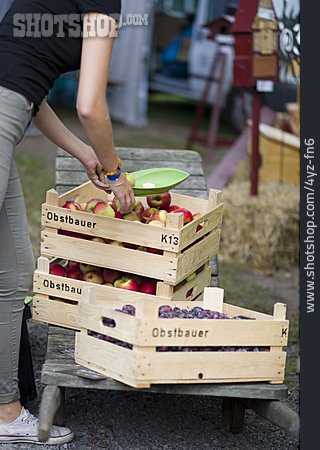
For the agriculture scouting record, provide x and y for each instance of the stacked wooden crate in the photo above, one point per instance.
(187, 249)
(138, 346)
(142, 348)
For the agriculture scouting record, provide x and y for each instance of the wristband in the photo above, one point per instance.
(114, 172)
(119, 182)
(116, 176)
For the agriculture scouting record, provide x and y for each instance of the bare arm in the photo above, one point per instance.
(52, 127)
(92, 106)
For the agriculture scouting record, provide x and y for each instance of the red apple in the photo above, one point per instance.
(131, 246)
(73, 265)
(93, 276)
(160, 215)
(116, 205)
(103, 209)
(155, 251)
(191, 277)
(57, 269)
(173, 208)
(148, 286)
(72, 205)
(88, 268)
(92, 203)
(188, 217)
(115, 243)
(110, 275)
(160, 201)
(71, 234)
(197, 216)
(138, 208)
(156, 223)
(200, 225)
(132, 216)
(97, 239)
(76, 274)
(147, 213)
(130, 178)
(138, 278)
(118, 215)
(62, 262)
(127, 283)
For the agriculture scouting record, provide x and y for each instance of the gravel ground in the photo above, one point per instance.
(141, 421)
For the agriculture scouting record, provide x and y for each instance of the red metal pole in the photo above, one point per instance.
(215, 115)
(255, 142)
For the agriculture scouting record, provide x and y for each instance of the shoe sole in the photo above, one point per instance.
(34, 440)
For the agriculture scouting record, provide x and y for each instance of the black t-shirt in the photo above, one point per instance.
(30, 65)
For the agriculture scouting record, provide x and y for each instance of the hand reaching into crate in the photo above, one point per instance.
(121, 188)
(95, 170)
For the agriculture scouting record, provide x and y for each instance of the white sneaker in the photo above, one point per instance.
(25, 429)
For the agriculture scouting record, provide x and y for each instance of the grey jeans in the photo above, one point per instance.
(16, 257)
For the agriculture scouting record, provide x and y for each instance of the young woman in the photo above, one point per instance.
(30, 61)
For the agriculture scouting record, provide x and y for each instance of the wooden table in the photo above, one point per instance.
(60, 371)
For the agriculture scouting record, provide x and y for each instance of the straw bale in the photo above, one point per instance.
(261, 231)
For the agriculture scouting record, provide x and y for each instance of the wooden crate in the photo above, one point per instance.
(280, 155)
(57, 299)
(186, 248)
(294, 117)
(142, 365)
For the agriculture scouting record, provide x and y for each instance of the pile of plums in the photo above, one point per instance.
(103, 337)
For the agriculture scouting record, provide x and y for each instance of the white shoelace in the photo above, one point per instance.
(30, 419)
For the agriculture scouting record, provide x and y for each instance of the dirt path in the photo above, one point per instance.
(283, 285)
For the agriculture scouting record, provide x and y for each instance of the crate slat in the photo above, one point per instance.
(147, 154)
(55, 312)
(183, 332)
(167, 268)
(70, 164)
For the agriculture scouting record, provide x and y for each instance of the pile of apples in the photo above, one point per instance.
(155, 214)
(104, 276)
(108, 277)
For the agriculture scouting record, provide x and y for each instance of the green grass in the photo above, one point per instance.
(239, 293)
(36, 179)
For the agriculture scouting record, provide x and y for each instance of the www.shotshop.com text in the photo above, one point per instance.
(311, 226)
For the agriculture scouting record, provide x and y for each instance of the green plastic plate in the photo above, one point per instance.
(164, 179)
